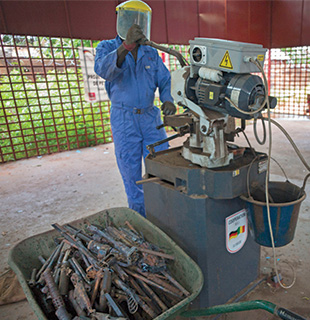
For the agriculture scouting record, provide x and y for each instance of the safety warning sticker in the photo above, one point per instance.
(94, 86)
(260, 57)
(236, 231)
(226, 61)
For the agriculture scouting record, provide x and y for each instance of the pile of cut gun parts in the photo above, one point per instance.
(105, 273)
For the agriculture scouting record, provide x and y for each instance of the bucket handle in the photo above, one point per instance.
(248, 178)
(303, 186)
(302, 189)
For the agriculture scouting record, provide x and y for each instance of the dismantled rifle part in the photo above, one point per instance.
(50, 261)
(64, 275)
(77, 244)
(42, 260)
(105, 273)
(132, 299)
(58, 302)
(105, 288)
(98, 279)
(176, 283)
(79, 270)
(153, 295)
(129, 253)
(162, 285)
(116, 308)
(80, 293)
(32, 280)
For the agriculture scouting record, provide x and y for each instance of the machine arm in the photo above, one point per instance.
(168, 50)
(182, 131)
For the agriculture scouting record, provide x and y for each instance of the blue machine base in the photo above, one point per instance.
(197, 223)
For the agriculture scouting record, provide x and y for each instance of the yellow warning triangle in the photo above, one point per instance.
(226, 62)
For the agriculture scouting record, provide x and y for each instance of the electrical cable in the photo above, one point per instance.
(267, 179)
(248, 141)
(291, 141)
(246, 112)
(267, 193)
(249, 170)
(261, 142)
(248, 178)
(305, 181)
(280, 167)
(266, 100)
(303, 186)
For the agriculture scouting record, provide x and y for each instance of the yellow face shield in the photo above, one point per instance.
(133, 12)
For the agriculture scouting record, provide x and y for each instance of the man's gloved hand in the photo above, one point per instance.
(168, 108)
(134, 35)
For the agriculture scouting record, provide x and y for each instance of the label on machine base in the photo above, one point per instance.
(236, 231)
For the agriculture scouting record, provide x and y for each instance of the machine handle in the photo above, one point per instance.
(151, 147)
(182, 131)
(154, 179)
(288, 315)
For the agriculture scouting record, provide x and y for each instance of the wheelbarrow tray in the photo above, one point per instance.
(23, 257)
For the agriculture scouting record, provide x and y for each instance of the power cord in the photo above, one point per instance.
(266, 102)
(266, 99)
(268, 204)
(291, 141)
(267, 189)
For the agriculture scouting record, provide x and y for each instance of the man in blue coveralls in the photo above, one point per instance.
(133, 72)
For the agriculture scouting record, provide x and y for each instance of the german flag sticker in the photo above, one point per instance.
(236, 231)
(234, 234)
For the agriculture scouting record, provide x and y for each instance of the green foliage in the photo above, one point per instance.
(298, 55)
(48, 114)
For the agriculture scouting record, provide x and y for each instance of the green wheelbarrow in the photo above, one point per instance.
(23, 258)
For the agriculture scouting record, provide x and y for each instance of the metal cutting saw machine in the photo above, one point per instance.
(193, 191)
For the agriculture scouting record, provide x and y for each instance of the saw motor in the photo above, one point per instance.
(221, 83)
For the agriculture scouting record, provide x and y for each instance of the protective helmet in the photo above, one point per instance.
(133, 12)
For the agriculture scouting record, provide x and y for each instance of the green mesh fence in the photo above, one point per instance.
(42, 96)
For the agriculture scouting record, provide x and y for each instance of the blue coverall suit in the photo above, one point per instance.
(133, 116)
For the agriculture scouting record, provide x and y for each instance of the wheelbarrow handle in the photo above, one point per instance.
(288, 315)
(282, 313)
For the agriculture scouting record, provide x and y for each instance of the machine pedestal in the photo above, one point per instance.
(191, 204)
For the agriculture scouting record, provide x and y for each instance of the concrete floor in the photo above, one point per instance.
(64, 187)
